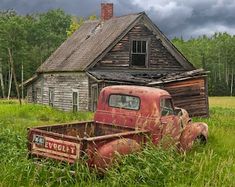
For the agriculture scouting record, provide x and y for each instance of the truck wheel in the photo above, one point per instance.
(107, 154)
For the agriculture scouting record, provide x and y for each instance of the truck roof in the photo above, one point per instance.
(149, 104)
(136, 90)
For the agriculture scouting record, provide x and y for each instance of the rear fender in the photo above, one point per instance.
(106, 154)
(191, 132)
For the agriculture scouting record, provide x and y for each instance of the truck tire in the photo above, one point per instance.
(107, 154)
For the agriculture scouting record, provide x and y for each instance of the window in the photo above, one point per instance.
(139, 53)
(51, 97)
(75, 101)
(124, 101)
(166, 107)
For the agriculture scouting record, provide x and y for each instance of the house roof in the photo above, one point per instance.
(29, 81)
(95, 38)
(86, 44)
(145, 78)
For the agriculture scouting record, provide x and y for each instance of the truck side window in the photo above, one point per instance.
(124, 101)
(166, 107)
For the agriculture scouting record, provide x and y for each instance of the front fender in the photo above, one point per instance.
(105, 155)
(191, 132)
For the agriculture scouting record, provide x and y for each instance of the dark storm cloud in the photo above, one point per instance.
(193, 18)
(174, 17)
(75, 7)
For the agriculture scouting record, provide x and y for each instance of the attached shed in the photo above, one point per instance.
(117, 50)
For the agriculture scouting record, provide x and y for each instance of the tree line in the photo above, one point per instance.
(27, 40)
(215, 54)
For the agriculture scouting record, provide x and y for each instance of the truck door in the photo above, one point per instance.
(170, 125)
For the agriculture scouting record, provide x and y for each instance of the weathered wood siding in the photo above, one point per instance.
(190, 95)
(158, 55)
(34, 92)
(63, 85)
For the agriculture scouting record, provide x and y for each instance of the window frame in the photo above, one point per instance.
(77, 99)
(124, 107)
(51, 97)
(172, 105)
(147, 42)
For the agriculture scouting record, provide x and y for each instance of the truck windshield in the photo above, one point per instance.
(124, 101)
(166, 107)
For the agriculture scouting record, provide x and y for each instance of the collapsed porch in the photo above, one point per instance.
(188, 89)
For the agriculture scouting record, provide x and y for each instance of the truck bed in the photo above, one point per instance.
(69, 141)
(85, 129)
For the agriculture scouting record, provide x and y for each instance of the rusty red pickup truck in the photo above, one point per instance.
(126, 118)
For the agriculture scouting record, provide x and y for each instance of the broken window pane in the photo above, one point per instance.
(138, 60)
(134, 47)
(139, 47)
(143, 46)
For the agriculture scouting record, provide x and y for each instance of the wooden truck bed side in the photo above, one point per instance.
(68, 142)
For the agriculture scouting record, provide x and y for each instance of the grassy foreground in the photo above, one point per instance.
(209, 165)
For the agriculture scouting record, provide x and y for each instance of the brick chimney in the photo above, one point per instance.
(106, 11)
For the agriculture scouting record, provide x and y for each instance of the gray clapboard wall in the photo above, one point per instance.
(63, 85)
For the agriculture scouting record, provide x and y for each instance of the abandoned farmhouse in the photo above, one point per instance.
(126, 50)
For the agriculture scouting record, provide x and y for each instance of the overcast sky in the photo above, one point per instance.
(187, 18)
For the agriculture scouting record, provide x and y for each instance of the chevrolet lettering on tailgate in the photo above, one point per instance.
(47, 145)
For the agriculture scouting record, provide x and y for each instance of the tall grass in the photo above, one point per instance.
(209, 165)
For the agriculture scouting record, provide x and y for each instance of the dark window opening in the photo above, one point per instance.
(139, 53)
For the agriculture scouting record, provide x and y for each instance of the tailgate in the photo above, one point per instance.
(53, 145)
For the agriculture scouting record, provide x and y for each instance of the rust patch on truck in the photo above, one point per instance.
(106, 154)
(191, 133)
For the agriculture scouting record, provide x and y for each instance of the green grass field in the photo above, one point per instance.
(209, 165)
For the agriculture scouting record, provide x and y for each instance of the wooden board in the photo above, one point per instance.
(190, 95)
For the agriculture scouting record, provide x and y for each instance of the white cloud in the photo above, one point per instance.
(211, 29)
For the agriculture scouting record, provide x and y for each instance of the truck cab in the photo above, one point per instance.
(146, 108)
